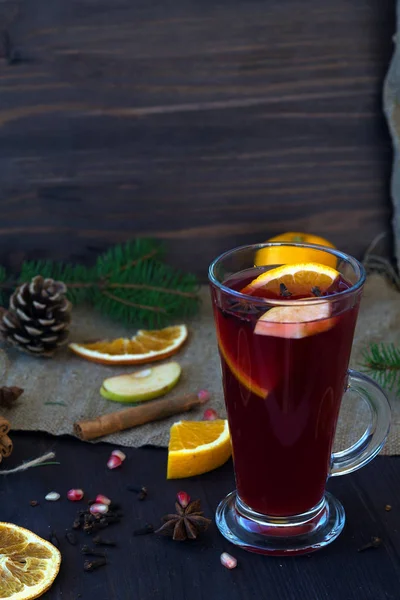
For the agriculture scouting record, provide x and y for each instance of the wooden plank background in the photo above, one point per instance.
(208, 124)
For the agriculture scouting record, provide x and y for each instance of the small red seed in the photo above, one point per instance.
(100, 499)
(183, 499)
(228, 561)
(98, 509)
(114, 462)
(120, 454)
(210, 415)
(75, 495)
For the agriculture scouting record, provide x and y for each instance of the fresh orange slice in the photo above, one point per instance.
(196, 447)
(297, 279)
(144, 347)
(28, 564)
(241, 368)
(295, 322)
(284, 255)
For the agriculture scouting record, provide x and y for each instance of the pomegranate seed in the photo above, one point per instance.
(228, 561)
(75, 495)
(98, 509)
(120, 454)
(52, 496)
(100, 499)
(203, 396)
(183, 499)
(114, 462)
(210, 414)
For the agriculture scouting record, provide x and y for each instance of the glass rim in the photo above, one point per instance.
(357, 266)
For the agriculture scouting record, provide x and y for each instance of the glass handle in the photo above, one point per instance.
(373, 439)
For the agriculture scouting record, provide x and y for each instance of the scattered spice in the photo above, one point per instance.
(141, 491)
(99, 541)
(71, 537)
(374, 543)
(91, 551)
(388, 507)
(92, 565)
(34, 503)
(187, 523)
(284, 291)
(316, 291)
(148, 528)
(9, 395)
(53, 539)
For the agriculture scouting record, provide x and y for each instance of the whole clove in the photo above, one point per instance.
(375, 542)
(148, 528)
(141, 491)
(92, 565)
(77, 524)
(91, 551)
(284, 291)
(316, 291)
(99, 541)
(71, 537)
(53, 539)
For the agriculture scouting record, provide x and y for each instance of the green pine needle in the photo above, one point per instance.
(128, 282)
(382, 363)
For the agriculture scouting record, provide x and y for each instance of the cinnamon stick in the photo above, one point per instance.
(138, 415)
(6, 446)
(4, 426)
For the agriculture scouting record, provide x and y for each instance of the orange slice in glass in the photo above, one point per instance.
(295, 279)
(144, 347)
(28, 564)
(241, 369)
(196, 447)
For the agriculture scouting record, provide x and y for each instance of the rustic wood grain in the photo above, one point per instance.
(152, 568)
(205, 124)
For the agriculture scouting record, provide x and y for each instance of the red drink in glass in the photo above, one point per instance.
(284, 357)
(283, 398)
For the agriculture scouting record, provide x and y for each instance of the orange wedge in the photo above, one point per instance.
(241, 369)
(297, 279)
(144, 347)
(28, 564)
(283, 255)
(295, 322)
(196, 447)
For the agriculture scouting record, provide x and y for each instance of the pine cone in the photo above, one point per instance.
(38, 317)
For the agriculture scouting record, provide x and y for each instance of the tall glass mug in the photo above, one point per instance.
(284, 361)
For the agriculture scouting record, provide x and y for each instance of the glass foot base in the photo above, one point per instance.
(299, 534)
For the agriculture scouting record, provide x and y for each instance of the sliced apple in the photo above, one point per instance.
(142, 385)
(295, 322)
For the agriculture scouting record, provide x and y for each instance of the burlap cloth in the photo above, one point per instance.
(75, 383)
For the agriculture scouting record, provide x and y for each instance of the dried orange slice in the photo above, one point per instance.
(284, 255)
(28, 564)
(298, 279)
(295, 322)
(144, 347)
(197, 447)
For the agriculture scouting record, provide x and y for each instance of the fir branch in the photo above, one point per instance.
(382, 363)
(128, 282)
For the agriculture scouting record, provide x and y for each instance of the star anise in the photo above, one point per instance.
(187, 523)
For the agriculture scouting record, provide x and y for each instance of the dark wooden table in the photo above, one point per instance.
(150, 567)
